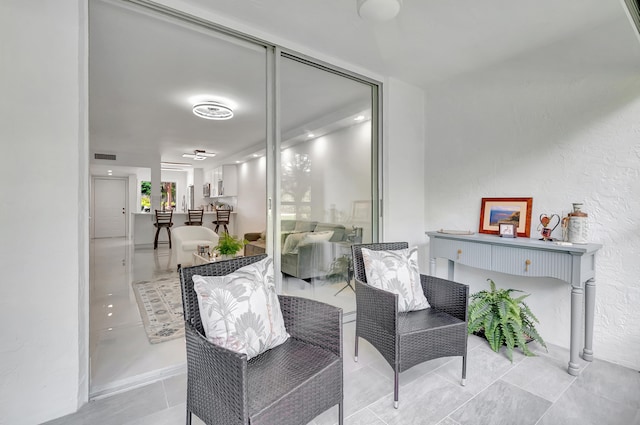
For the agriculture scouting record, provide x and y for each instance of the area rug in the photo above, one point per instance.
(160, 304)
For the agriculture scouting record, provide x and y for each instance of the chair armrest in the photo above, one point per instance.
(218, 376)
(252, 236)
(377, 307)
(446, 295)
(313, 322)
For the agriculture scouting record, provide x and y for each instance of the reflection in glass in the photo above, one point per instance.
(326, 181)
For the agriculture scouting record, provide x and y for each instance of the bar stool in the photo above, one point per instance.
(163, 219)
(195, 218)
(222, 219)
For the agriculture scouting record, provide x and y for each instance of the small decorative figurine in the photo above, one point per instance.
(546, 227)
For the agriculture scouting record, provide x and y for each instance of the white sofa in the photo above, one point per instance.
(186, 240)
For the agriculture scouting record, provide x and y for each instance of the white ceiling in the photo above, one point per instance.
(145, 72)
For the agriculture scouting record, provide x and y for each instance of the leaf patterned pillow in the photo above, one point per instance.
(397, 272)
(241, 311)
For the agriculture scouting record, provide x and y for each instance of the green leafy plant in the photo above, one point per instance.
(503, 320)
(228, 245)
(340, 269)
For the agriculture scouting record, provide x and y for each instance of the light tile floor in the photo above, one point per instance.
(121, 356)
(531, 390)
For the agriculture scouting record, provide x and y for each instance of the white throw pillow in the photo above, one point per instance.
(241, 311)
(291, 242)
(396, 272)
(315, 237)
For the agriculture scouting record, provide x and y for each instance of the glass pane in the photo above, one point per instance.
(326, 180)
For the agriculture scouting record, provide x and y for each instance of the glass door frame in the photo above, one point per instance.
(274, 140)
(274, 54)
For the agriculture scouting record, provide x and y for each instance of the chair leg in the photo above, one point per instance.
(217, 227)
(155, 241)
(341, 413)
(169, 233)
(464, 371)
(188, 418)
(226, 229)
(396, 380)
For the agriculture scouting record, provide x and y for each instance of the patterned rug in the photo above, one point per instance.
(160, 304)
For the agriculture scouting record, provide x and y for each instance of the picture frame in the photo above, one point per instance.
(507, 229)
(493, 211)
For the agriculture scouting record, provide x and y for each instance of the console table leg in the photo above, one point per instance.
(432, 266)
(577, 296)
(451, 270)
(589, 310)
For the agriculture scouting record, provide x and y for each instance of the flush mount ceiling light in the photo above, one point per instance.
(199, 155)
(212, 111)
(378, 10)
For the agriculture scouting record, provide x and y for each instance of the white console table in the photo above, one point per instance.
(575, 264)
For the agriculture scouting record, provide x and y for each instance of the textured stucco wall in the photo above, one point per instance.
(560, 124)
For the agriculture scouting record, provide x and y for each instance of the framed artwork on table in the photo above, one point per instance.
(506, 210)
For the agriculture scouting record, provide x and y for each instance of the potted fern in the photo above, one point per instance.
(503, 320)
(228, 246)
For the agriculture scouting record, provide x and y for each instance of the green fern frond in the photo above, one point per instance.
(505, 320)
(528, 313)
(494, 336)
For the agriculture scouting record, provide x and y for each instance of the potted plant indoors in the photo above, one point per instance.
(228, 246)
(503, 320)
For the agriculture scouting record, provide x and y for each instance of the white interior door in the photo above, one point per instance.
(109, 208)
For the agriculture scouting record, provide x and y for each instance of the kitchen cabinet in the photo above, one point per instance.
(223, 181)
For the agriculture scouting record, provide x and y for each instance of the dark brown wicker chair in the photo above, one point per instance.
(288, 385)
(407, 339)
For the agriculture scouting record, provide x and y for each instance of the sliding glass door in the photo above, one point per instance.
(327, 178)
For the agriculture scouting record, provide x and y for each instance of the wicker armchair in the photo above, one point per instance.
(407, 339)
(288, 385)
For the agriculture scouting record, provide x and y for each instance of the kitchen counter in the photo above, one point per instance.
(144, 231)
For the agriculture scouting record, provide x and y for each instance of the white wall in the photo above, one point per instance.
(340, 174)
(403, 166)
(251, 210)
(43, 256)
(560, 124)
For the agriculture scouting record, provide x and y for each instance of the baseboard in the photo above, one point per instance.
(136, 381)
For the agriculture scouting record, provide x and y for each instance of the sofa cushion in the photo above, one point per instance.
(339, 232)
(292, 241)
(241, 311)
(315, 237)
(305, 226)
(288, 225)
(397, 272)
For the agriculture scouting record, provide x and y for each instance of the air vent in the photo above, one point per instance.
(107, 156)
(634, 11)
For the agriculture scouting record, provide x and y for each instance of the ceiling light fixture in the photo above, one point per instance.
(199, 155)
(378, 10)
(174, 166)
(212, 111)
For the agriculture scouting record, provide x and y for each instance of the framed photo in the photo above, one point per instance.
(506, 210)
(507, 229)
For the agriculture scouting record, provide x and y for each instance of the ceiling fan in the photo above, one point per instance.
(199, 155)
